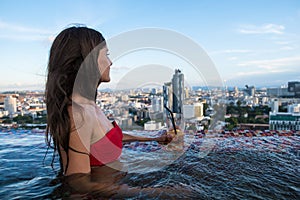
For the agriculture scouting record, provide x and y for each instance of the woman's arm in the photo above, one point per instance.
(85, 185)
(163, 139)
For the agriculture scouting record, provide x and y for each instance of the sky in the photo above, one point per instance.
(253, 42)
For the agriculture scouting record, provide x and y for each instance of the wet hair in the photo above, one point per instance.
(72, 67)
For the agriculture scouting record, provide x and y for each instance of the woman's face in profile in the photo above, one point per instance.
(104, 64)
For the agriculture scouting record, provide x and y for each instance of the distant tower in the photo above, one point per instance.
(295, 108)
(250, 90)
(236, 91)
(10, 104)
(153, 91)
(198, 110)
(168, 95)
(178, 91)
(294, 87)
(274, 106)
(157, 104)
(186, 93)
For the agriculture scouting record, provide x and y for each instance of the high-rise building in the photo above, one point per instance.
(274, 106)
(188, 111)
(198, 110)
(178, 91)
(294, 108)
(168, 95)
(236, 90)
(249, 90)
(194, 111)
(186, 93)
(153, 91)
(255, 100)
(10, 104)
(279, 92)
(173, 94)
(294, 87)
(157, 104)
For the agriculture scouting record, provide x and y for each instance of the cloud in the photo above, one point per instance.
(228, 51)
(259, 72)
(263, 29)
(266, 72)
(19, 32)
(24, 37)
(232, 58)
(287, 48)
(283, 42)
(21, 29)
(273, 64)
(262, 78)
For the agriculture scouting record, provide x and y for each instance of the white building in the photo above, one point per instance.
(255, 100)
(188, 111)
(295, 108)
(274, 106)
(152, 126)
(124, 123)
(124, 98)
(284, 121)
(157, 104)
(186, 93)
(264, 101)
(198, 110)
(193, 111)
(10, 104)
(3, 113)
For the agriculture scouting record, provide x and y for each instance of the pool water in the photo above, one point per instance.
(228, 168)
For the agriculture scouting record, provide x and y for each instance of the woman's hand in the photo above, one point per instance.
(165, 138)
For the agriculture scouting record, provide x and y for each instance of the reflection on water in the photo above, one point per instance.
(235, 168)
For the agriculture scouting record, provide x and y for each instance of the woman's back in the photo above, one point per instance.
(93, 136)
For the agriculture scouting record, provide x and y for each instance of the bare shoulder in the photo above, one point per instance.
(82, 120)
(79, 113)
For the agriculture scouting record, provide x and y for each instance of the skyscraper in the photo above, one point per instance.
(157, 104)
(10, 104)
(168, 95)
(178, 91)
(275, 106)
(173, 92)
(294, 87)
(249, 90)
(198, 110)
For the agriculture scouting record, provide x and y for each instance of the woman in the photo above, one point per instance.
(84, 138)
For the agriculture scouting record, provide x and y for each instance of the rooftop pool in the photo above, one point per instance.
(266, 167)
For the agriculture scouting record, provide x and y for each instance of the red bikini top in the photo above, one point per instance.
(108, 148)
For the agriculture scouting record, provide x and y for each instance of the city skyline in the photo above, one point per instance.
(254, 43)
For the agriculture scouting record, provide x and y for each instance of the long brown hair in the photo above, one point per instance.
(73, 59)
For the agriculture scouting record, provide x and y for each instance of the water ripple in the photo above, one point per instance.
(236, 168)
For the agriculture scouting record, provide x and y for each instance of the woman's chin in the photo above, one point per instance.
(105, 80)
